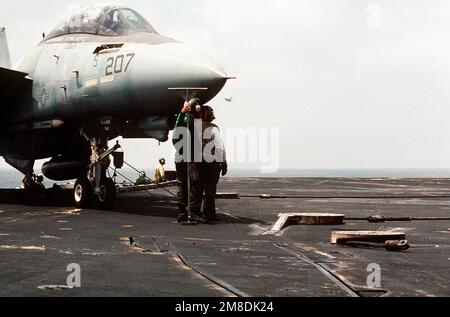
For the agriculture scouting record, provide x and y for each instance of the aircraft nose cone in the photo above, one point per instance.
(190, 69)
(199, 74)
(163, 67)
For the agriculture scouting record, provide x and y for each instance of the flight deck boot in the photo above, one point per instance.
(183, 215)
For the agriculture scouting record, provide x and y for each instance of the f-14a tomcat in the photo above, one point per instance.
(102, 73)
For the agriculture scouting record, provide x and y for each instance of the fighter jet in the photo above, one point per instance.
(229, 99)
(103, 72)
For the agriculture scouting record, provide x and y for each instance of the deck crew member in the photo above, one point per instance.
(160, 172)
(213, 165)
(185, 163)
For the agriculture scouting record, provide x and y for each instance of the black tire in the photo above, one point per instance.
(108, 194)
(82, 194)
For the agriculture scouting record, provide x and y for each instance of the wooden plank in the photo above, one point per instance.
(138, 188)
(338, 237)
(279, 225)
(310, 219)
(319, 219)
(227, 196)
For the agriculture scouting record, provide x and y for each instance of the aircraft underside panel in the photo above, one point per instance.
(41, 144)
(23, 166)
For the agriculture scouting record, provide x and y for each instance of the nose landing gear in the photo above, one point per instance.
(83, 193)
(107, 194)
(96, 186)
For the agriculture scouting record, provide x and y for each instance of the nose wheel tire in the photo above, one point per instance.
(82, 193)
(107, 194)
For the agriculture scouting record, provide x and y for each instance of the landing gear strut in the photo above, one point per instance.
(96, 186)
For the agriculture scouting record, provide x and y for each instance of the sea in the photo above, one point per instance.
(10, 178)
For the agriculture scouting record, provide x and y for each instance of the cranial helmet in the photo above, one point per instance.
(208, 114)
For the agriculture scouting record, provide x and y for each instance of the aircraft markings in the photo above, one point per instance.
(115, 64)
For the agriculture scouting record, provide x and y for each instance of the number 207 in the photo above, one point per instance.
(115, 65)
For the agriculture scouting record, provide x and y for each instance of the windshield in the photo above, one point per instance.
(123, 22)
(103, 20)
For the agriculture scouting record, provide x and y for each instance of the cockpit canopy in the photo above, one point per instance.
(103, 20)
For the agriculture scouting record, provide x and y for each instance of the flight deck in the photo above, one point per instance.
(138, 249)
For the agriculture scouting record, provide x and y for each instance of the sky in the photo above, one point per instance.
(330, 84)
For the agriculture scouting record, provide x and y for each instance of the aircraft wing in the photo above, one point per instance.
(11, 83)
